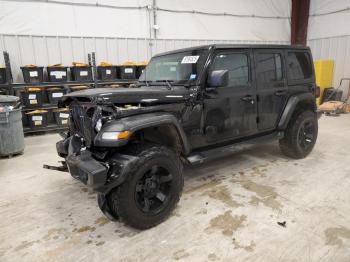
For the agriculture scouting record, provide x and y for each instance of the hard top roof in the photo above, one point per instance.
(237, 46)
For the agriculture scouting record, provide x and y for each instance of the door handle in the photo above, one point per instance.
(248, 99)
(281, 93)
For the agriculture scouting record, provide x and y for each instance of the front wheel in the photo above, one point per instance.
(151, 190)
(300, 135)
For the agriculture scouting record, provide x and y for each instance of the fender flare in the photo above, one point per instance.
(292, 103)
(139, 122)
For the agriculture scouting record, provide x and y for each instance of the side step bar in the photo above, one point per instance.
(200, 157)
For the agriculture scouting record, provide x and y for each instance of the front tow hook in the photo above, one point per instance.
(62, 168)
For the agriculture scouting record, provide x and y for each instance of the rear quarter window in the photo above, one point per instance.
(299, 66)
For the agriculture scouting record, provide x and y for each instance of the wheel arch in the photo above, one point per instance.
(162, 128)
(296, 104)
(167, 134)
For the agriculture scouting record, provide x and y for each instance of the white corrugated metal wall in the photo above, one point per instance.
(329, 36)
(335, 48)
(46, 50)
(49, 32)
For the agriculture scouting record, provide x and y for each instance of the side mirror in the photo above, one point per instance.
(217, 78)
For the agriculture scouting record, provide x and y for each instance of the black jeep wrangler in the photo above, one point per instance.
(189, 105)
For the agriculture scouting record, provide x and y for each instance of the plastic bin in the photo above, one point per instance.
(61, 116)
(139, 70)
(32, 97)
(128, 71)
(107, 72)
(33, 74)
(81, 73)
(54, 94)
(77, 88)
(37, 118)
(57, 73)
(113, 86)
(2, 75)
(11, 129)
(6, 100)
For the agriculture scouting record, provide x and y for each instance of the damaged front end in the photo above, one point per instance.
(91, 168)
(99, 167)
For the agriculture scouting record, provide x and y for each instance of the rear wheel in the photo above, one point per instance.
(151, 190)
(300, 135)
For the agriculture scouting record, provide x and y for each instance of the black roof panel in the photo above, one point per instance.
(233, 46)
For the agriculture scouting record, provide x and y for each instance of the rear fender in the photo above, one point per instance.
(302, 101)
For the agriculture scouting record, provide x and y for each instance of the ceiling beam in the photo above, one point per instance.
(299, 23)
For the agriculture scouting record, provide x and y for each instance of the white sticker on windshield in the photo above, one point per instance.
(191, 59)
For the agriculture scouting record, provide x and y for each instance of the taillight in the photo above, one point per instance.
(317, 92)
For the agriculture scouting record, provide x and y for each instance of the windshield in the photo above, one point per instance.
(178, 68)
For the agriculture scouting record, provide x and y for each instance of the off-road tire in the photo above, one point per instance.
(122, 199)
(289, 145)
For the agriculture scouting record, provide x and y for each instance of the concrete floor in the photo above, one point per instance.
(228, 212)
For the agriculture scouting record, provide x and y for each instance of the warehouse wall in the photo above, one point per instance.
(180, 19)
(43, 32)
(276, 28)
(329, 36)
(46, 50)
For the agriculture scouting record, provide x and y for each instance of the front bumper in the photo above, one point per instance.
(86, 169)
(102, 176)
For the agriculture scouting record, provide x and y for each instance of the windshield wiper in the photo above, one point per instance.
(144, 81)
(167, 82)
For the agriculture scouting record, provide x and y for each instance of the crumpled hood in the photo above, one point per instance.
(149, 95)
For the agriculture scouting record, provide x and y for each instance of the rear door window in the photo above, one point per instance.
(269, 67)
(299, 66)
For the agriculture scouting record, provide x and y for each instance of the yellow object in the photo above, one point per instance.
(123, 134)
(143, 63)
(39, 111)
(79, 64)
(30, 65)
(33, 89)
(129, 63)
(54, 88)
(56, 65)
(324, 75)
(104, 63)
(79, 87)
(61, 110)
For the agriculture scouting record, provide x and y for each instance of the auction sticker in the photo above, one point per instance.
(191, 59)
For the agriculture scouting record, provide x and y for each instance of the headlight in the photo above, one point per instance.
(98, 125)
(115, 135)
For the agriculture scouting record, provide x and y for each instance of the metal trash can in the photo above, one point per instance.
(11, 129)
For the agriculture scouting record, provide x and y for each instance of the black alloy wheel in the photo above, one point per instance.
(153, 190)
